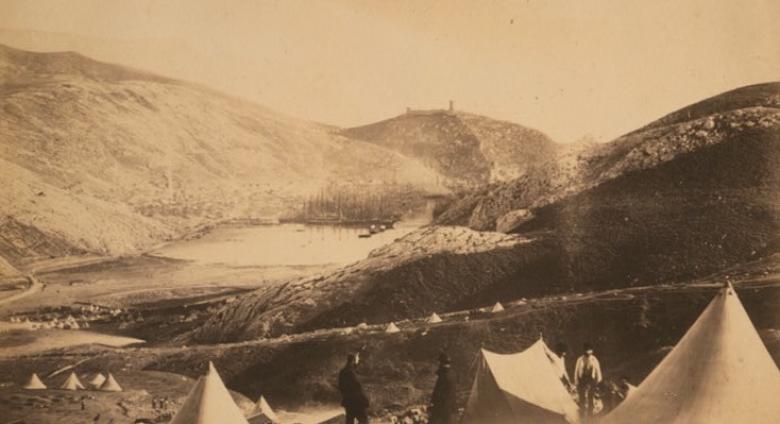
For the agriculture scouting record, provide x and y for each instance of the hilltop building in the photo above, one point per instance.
(450, 110)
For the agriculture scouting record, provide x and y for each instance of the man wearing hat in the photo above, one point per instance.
(353, 398)
(587, 376)
(442, 410)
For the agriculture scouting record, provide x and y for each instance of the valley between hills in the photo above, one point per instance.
(153, 210)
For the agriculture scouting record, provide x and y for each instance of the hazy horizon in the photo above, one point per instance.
(568, 69)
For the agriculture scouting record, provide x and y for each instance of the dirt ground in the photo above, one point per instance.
(139, 279)
(296, 372)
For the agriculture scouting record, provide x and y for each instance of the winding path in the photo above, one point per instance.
(35, 287)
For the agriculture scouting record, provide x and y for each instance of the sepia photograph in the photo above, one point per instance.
(389, 211)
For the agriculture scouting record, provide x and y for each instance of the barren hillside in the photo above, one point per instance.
(662, 205)
(107, 159)
(468, 149)
(738, 115)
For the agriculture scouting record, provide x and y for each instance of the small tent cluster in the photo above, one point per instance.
(519, 388)
(719, 372)
(97, 382)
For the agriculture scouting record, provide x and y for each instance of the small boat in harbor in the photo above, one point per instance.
(364, 235)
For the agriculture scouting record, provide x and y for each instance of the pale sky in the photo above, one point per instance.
(568, 67)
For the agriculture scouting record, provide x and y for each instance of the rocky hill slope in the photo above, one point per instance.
(469, 150)
(676, 199)
(407, 278)
(739, 115)
(665, 204)
(98, 157)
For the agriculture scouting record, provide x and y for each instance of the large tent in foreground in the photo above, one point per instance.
(719, 372)
(519, 388)
(209, 402)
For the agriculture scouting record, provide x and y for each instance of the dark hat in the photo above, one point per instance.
(587, 346)
(444, 359)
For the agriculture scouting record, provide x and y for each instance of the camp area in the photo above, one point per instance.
(719, 372)
(127, 396)
(524, 384)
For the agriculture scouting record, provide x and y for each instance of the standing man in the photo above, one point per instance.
(353, 399)
(443, 399)
(587, 376)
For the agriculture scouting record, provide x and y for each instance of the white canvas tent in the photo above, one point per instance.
(434, 318)
(498, 307)
(110, 385)
(560, 366)
(34, 383)
(209, 402)
(96, 381)
(392, 328)
(72, 383)
(719, 372)
(262, 413)
(519, 388)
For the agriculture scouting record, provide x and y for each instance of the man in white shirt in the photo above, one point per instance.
(587, 376)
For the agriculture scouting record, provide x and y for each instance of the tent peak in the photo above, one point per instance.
(34, 383)
(519, 388)
(729, 374)
(209, 402)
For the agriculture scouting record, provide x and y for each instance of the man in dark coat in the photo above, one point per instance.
(353, 399)
(442, 409)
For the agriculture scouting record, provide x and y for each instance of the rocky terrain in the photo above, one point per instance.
(665, 204)
(101, 158)
(390, 284)
(736, 116)
(469, 150)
